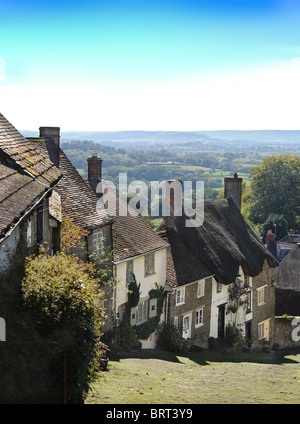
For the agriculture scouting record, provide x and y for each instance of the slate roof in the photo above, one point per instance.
(25, 175)
(224, 241)
(79, 201)
(132, 236)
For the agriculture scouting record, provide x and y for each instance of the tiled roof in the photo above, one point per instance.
(132, 236)
(25, 155)
(25, 174)
(79, 201)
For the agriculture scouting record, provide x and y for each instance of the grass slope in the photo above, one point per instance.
(203, 378)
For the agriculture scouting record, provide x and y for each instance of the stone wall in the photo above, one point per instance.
(287, 329)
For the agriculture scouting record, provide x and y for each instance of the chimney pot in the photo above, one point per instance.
(270, 237)
(291, 237)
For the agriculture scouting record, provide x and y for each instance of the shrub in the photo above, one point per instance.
(62, 295)
(127, 338)
(234, 337)
(170, 339)
(53, 310)
(212, 343)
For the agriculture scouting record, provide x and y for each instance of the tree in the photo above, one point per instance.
(275, 189)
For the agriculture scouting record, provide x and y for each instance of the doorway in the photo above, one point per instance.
(248, 332)
(186, 326)
(221, 321)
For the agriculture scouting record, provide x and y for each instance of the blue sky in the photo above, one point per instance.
(159, 65)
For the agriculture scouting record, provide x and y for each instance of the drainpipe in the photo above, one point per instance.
(169, 290)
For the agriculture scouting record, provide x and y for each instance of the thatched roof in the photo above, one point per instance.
(223, 242)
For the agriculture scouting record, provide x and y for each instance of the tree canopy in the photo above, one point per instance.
(275, 191)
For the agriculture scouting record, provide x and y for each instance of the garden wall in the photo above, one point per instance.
(287, 332)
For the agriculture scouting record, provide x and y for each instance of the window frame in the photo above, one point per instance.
(263, 329)
(181, 292)
(261, 295)
(142, 311)
(201, 288)
(199, 318)
(128, 279)
(146, 258)
(97, 243)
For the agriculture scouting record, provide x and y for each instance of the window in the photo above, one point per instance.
(129, 271)
(142, 311)
(199, 317)
(219, 287)
(261, 295)
(176, 323)
(180, 296)
(263, 330)
(200, 288)
(97, 240)
(149, 264)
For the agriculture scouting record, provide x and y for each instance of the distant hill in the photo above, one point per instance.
(259, 136)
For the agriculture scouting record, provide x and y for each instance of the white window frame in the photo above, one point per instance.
(180, 296)
(97, 242)
(201, 288)
(149, 269)
(199, 317)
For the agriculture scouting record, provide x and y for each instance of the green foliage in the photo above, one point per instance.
(170, 339)
(127, 338)
(60, 292)
(53, 310)
(276, 223)
(276, 190)
(145, 329)
(236, 292)
(234, 338)
(133, 293)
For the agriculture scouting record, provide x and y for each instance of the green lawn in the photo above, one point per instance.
(154, 377)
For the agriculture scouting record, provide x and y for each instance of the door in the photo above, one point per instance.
(187, 326)
(248, 333)
(221, 321)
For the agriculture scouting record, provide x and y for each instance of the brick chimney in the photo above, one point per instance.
(233, 187)
(52, 137)
(94, 170)
(291, 237)
(270, 237)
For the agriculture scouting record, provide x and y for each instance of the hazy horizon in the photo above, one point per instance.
(178, 65)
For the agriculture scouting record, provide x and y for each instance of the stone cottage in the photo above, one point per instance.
(221, 252)
(29, 201)
(137, 253)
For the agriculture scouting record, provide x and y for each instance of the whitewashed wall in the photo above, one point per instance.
(147, 283)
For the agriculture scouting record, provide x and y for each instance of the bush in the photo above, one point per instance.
(53, 311)
(64, 298)
(127, 338)
(170, 339)
(212, 343)
(235, 338)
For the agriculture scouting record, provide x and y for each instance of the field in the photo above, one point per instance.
(154, 377)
